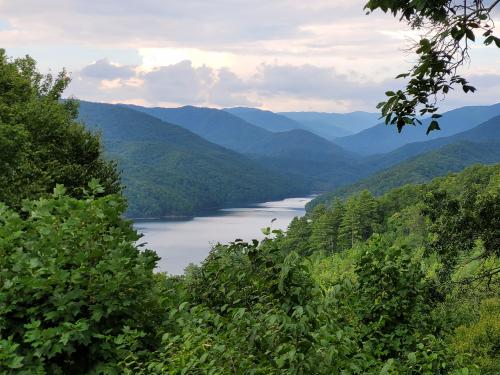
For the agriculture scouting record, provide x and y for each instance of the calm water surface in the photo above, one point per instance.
(180, 242)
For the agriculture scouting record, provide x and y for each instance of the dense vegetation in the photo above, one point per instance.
(40, 141)
(406, 283)
(168, 170)
(312, 161)
(450, 158)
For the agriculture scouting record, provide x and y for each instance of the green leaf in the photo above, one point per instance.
(387, 367)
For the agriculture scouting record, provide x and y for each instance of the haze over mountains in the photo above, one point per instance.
(350, 123)
(178, 161)
(314, 161)
(276, 122)
(387, 139)
(419, 162)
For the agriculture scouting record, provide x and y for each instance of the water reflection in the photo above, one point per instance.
(180, 242)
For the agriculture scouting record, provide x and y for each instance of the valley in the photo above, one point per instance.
(190, 160)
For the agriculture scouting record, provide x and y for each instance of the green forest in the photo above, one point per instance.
(169, 171)
(402, 283)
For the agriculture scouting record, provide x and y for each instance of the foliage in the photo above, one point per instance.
(369, 285)
(482, 337)
(448, 29)
(41, 143)
(451, 158)
(76, 294)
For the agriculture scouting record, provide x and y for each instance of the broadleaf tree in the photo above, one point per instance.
(448, 28)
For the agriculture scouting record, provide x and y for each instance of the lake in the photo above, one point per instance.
(180, 242)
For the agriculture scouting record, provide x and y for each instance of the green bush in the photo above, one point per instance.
(76, 293)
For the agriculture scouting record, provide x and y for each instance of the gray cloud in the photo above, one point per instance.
(230, 90)
(180, 83)
(103, 69)
(309, 81)
(187, 23)
(184, 83)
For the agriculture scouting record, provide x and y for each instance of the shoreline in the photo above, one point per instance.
(211, 211)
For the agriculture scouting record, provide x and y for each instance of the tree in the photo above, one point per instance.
(41, 144)
(325, 228)
(448, 29)
(351, 228)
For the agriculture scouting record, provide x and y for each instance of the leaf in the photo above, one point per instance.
(470, 34)
(497, 41)
(434, 125)
(387, 367)
(412, 357)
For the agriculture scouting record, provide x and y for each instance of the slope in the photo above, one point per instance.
(214, 125)
(168, 170)
(313, 161)
(487, 131)
(382, 138)
(449, 158)
(278, 123)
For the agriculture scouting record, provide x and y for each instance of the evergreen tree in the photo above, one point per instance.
(351, 228)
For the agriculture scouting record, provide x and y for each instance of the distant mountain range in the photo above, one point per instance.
(382, 138)
(328, 123)
(278, 123)
(489, 130)
(314, 161)
(423, 161)
(168, 170)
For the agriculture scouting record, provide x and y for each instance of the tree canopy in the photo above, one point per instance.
(41, 142)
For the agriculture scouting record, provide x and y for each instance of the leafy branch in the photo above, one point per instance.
(450, 26)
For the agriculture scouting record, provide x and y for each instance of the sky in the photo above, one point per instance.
(280, 55)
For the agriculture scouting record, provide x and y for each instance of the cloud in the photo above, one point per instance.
(280, 54)
(103, 69)
(157, 23)
(180, 83)
(230, 90)
(184, 83)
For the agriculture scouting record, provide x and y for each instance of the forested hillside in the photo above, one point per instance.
(265, 119)
(214, 125)
(167, 170)
(487, 131)
(451, 158)
(313, 162)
